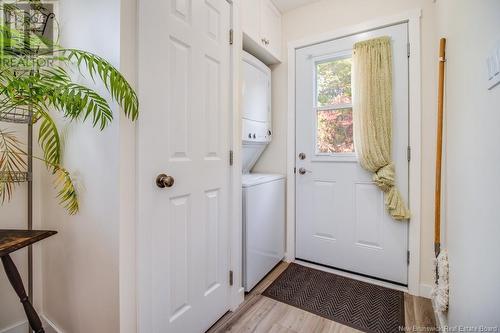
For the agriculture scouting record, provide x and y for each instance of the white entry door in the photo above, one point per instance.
(184, 84)
(341, 219)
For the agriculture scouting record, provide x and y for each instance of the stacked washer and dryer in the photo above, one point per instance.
(263, 194)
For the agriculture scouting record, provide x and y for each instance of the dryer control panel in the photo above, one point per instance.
(254, 131)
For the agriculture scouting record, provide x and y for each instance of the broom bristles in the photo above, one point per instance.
(440, 292)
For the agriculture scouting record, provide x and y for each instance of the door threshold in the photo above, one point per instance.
(355, 276)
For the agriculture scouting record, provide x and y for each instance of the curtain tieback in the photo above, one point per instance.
(384, 178)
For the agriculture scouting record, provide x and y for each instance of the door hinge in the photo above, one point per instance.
(408, 49)
(231, 158)
(231, 36)
(408, 257)
(231, 279)
(408, 153)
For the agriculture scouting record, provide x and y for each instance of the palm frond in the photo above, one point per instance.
(75, 101)
(12, 162)
(67, 194)
(48, 138)
(50, 142)
(52, 87)
(115, 82)
(52, 76)
(26, 86)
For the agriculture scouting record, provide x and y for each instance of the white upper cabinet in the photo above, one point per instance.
(250, 18)
(271, 27)
(261, 25)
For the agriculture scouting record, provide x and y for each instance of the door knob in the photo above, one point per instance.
(163, 181)
(303, 171)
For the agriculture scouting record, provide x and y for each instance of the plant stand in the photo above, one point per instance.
(25, 116)
(20, 116)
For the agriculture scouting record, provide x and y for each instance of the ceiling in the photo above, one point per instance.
(286, 5)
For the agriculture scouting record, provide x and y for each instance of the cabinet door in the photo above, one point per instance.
(271, 28)
(250, 18)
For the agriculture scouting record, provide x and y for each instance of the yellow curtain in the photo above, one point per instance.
(372, 107)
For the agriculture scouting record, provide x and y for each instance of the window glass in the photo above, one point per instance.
(334, 123)
(334, 82)
(335, 131)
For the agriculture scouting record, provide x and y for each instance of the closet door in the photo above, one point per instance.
(183, 240)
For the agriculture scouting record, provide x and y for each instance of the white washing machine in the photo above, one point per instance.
(263, 194)
(263, 225)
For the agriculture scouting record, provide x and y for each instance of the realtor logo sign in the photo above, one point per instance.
(28, 27)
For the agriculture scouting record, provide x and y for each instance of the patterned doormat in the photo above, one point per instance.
(354, 303)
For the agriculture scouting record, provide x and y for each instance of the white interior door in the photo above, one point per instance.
(184, 84)
(341, 219)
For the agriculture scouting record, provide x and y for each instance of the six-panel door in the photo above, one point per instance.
(184, 84)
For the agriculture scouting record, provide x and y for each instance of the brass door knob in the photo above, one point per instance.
(163, 181)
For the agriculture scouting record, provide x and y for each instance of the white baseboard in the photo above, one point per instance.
(425, 290)
(49, 326)
(241, 298)
(21, 327)
(288, 258)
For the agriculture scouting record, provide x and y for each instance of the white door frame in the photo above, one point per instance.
(237, 293)
(415, 109)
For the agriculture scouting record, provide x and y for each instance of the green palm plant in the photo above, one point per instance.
(28, 85)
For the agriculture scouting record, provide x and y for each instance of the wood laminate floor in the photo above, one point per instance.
(261, 314)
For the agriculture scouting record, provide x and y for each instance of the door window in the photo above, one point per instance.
(333, 106)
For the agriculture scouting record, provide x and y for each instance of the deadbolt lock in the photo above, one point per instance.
(302, 156)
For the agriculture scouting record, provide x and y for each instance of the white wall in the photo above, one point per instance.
(128, 66)
(81, 265)
(14, 215)
(473, 159)
(330, 15)
(87, 283)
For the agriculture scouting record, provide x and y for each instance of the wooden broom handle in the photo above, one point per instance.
(439, 150)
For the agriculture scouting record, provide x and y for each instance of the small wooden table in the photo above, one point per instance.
(13, 240)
